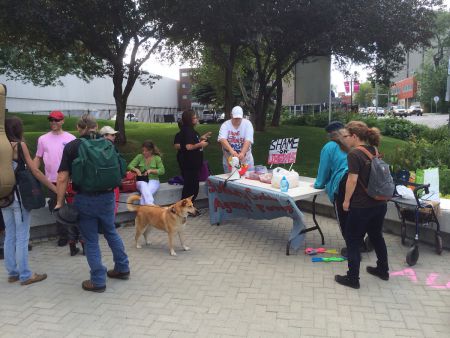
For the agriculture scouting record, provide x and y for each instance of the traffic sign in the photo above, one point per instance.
(436, 99)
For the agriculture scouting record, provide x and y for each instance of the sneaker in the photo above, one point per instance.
(384, 275)
(87, 285)
(13, 279)
(347, 281)
(118, 275)
(35, 278)
(73, 249)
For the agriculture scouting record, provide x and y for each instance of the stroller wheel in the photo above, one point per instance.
(368, 244)
(413, 255)
(403, 234)
(438, 242)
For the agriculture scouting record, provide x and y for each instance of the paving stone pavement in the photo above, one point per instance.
(235, 282)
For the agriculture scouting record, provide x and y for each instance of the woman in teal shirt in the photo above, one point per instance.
(333, 168)
(148, 166)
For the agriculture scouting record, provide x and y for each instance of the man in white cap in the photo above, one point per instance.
(236, 138)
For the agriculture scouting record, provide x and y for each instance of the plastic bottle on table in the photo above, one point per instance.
(284, 184)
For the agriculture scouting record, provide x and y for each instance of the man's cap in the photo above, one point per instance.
(237, 113)
(67, 215)
(107, 130)
(333, 126)
(56, 114)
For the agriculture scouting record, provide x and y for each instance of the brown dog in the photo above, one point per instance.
(171, 219)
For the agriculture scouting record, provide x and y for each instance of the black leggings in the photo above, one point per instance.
(341, 215)
(191, 183)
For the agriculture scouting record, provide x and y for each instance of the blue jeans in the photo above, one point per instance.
(17, 236)
(98, 211)
(359, 222)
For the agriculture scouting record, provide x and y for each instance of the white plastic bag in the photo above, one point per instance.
(291, 176)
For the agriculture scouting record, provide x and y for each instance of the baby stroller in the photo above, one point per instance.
(418, 212)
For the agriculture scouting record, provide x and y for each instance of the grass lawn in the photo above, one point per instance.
(311, 141)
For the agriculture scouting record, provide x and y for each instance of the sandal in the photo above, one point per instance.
(36, 277)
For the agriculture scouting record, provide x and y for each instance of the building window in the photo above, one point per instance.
(184, 97)
(184, 74)
(184, 85)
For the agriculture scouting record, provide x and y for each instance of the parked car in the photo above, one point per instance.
(363, 111)
(220, 117)
(415, 109)
(208, 116)
(399, 111)
(370, 110)
(130, 117)
(380, 111)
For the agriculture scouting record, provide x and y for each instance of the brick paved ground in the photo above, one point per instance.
(236, 281)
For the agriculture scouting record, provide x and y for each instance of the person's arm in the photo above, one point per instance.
(39, 153)
(177, 146)
(323, 173)
(244, 150)
(35, 170)
(206, 136)
(61, 187)
(37, 161)
(350, 186)
(190, 137)
(201, 144)
(226, 145)
(134, 163)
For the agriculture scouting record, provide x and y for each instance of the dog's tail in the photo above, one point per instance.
(130, 200)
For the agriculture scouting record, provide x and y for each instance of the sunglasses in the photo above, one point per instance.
(53, 120)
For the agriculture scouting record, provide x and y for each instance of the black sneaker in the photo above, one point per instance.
(384, 275)
(347, 281)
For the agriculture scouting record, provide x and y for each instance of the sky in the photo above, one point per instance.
(337, 78)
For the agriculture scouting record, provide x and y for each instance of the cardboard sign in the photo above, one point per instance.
(283, 151)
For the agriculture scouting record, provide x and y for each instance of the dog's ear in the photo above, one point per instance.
(190, 197)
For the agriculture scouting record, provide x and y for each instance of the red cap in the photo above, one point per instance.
(56, 114)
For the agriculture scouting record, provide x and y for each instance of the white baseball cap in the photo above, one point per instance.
(237, 113)
(107, 130)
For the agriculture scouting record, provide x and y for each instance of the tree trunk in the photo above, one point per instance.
(277, 113)
(229, 68)
(260, 115)
(121, 105)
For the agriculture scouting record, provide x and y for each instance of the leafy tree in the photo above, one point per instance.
(118, 36)
(433, 82)
(367, 94)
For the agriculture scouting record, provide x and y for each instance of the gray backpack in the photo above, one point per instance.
(381, 185)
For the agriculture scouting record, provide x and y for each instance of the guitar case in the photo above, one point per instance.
(7, 178)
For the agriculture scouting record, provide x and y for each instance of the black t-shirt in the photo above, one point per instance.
(190, 159)
(359, 164)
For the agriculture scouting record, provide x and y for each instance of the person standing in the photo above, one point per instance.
(236, 138)
(148, 166)
(96, 210)
(365, 214)
(110, 134)
(16, 217)
(191, 155)
(332, 172)
(49, 150)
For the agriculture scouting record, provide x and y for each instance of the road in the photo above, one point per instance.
(430, 120)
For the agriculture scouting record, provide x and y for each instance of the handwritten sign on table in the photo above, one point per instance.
(283, 151)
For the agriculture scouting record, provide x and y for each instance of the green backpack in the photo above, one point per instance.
(98, 167)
